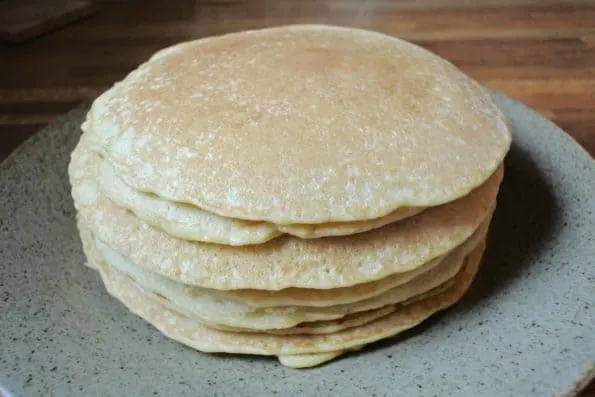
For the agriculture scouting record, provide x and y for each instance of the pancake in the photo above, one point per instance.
(189, 222)
(180, 220)
(347, 228)
(212, 309)
(300, 124)
(285, 261)
(89, 246)
(326, 297)
(294, 296)
(308, 360)
(345, 295)
(312, 360)
(318, 327)
(332, 326)
(193, 334)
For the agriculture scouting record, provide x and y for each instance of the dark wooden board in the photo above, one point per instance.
(21, 20)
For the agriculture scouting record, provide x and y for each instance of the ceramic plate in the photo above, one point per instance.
(526, 327)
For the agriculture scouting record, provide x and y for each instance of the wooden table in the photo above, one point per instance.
(538, 51)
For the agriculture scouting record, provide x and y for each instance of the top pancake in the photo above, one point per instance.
(300, 124)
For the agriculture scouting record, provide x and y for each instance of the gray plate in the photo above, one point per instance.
(526, 328)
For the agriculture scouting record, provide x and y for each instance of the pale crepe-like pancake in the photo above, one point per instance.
(346, 228)
(298, 296)
(97, 261)
(89, 246)
(212, 309)
(341, 296)
(200, 337)
(332, 326)
(314, 327)
(183, 221)
(326, 297)
(300, 124)
(312, 360)
(286, 261)
(308, 360)
(189, 222)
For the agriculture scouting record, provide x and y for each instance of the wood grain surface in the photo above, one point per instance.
(22, 20)
(539, 52)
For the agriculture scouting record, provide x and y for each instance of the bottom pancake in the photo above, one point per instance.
(293, 350)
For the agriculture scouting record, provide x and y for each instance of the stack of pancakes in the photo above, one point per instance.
(297, 191)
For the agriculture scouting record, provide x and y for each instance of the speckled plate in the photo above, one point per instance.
(526, 328)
